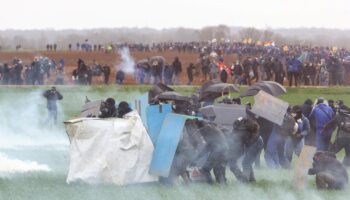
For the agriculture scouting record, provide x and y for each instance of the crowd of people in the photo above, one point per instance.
(301, 65)
(38, 72)
(288, 64)
(312, 123)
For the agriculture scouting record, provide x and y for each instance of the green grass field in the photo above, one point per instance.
(24, 137)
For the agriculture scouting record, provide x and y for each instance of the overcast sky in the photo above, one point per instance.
(79, 14)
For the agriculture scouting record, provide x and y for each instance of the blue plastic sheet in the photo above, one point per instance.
(166, 145)
(155, 117)
(140, 104)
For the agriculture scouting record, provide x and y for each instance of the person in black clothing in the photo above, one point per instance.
(106, 70)
(6, 74)
(177, 70)
(123, 109)
(120, 76)
(244, 141)
(216, 148)
(278, 71)
(108, 109)
(342, 141)
(190, 69)
(267, 68)
(255, 65)
(52, 96)
(330, 173)
(237, 71)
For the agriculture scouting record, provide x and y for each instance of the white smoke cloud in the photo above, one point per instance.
(18, 166)
(22, 122)
(127, 61)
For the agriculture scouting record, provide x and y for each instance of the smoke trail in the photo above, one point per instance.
(14, 166)
(127, 61)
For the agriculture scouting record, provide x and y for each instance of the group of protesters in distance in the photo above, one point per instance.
(38, 72)
(301, 65)
(316, 66)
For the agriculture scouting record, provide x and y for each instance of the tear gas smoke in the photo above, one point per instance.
(127, 61)
(14, 165)
(23, 122)
(22, 126)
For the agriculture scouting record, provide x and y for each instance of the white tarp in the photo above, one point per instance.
(110, 150)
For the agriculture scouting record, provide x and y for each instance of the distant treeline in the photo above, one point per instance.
(38, 39)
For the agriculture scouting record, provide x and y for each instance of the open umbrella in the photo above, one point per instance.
(222, 88)
(156, 90)
(142, 61)
(271, 87)
(157, 59)
(215, 90)
(172, 96)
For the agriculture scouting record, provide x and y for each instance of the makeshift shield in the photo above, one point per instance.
(91, 109)
(269, 107)
(167, 142)
(304, 163)
(155, 117)
(224, 114)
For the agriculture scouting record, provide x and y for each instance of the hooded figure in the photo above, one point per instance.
(108, 109)
(216, 148)
(123, 108)
(244, 141)
(330, 173)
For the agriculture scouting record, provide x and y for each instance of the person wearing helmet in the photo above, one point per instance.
(123, 108)
(108, 109)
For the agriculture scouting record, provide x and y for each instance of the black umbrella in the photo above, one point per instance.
(216, 90)
(157, 59)
(172, 96)
(156, 90)
(142, 61)
(271, 87)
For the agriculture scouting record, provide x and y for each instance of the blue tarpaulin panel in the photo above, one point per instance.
(140, 104)
(167, 142)
(155, 117)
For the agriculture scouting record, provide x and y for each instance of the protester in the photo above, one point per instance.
(322, 114)
(177, 67)
(108, 109)
(295, 142)
(52, 97)
(120, 76)
(330, 173)
(341, 121)
(190, 69)
(244, 141)
(294, 68)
